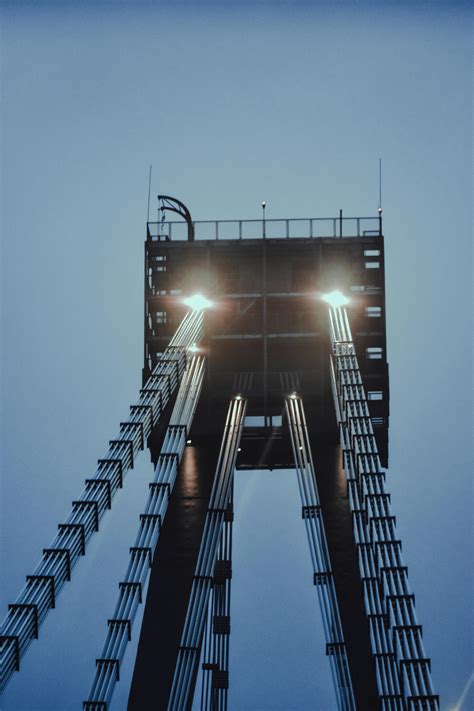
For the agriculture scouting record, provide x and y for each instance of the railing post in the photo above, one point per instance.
(340, 223)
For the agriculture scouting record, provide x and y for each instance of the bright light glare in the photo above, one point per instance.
(335, 299)
(293, 396)
(197, 302)
(193, 349)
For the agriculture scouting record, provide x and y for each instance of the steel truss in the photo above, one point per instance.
(209, 570)
(402, 668)
(215, 666)
(322, 571)
(142, 552)
(39, 595)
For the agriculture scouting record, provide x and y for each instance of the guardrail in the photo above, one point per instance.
(313, 227)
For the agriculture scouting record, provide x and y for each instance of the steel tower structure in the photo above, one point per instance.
(283, 371)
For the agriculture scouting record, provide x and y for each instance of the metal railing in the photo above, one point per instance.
(312, 227)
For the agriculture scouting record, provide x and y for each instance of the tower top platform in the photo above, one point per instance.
(267, 331)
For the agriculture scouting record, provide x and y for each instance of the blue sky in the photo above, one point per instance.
(288, 102)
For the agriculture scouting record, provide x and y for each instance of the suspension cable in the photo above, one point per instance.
(215, 666)
(319, 550)
(141, 553)
(39, 595)
(207, 568)
(402, 668)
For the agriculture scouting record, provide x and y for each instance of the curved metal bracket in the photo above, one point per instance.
(174, 205)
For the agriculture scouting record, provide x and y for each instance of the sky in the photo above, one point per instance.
(288, 102)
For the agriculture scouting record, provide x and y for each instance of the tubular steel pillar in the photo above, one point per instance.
(323, 576)
(402, 669)
(142, 552)
(38, 596)
(208, 568)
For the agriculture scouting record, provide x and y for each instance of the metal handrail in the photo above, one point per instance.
(315, 227)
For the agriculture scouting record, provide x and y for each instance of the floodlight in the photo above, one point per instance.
(335, 299)
(197, 302)
(293, 396)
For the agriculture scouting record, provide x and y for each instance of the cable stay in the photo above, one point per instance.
(209, 570)
(141, 553)
(215, 665)
(402, 668)
(319, 550)
(39, 595)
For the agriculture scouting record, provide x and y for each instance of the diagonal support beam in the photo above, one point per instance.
(207, 567)
(215, 666)
(142, 552)
(36, 599)
(322, 570)
(402, 668)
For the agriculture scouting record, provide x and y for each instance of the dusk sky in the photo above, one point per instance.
(232, 103)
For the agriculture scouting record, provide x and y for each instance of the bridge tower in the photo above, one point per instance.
(265, 347)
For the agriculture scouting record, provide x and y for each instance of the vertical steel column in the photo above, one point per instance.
(142, 552)
(403, 671)
(323, 577)
(215, 667)
(39, 595)
(207, 568)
